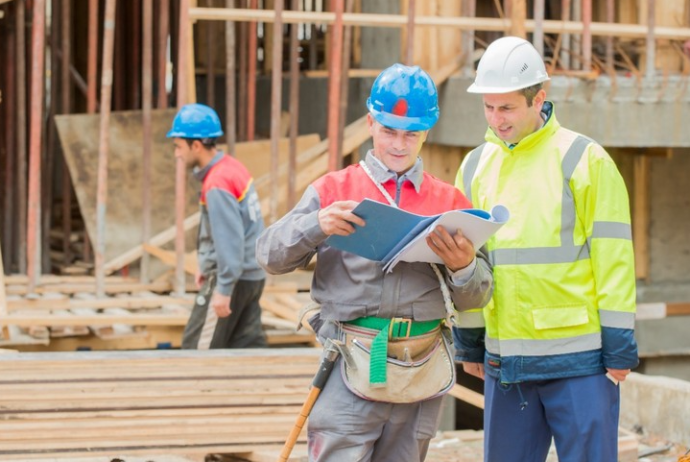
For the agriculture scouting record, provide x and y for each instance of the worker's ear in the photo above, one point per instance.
(539, 99)
(197, 145)
(370, 123)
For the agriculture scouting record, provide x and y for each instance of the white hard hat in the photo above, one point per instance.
(509, 64)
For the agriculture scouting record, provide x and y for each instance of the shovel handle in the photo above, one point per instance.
(317, 385)
(299, 424)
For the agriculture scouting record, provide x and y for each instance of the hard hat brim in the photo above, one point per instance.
(179, 134)
(474, 88)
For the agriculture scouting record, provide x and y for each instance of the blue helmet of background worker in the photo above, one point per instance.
(196, 121)
(404, 98)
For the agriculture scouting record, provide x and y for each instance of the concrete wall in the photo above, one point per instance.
(658, 405)
(616, 114)
(669, 228)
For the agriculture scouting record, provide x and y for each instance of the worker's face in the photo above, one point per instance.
(397, 149)
(187, 153)
(510, 117)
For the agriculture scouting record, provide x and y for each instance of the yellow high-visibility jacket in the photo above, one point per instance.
(564, 281)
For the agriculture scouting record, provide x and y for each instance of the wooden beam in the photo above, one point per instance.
(518, 15)
(3, 302)
(480, 24)
(167, 257)
(467, 395)
(159, 239)
(129, 303)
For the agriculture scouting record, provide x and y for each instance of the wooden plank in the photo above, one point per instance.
(148, 338)
(37, 321)
(159, 239)
(678, 309)
(270, 304)
(467, 395)
(109, 302)
(169, 258)
(66, 330)
(4, 330)
(110, 288)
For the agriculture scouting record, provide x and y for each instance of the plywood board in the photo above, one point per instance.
(79, 137)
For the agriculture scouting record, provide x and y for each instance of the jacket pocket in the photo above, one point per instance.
(559, 316)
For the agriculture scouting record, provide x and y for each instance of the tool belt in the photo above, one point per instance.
(397, 360)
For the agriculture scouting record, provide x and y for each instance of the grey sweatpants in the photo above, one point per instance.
(344, 427)
(242, 329)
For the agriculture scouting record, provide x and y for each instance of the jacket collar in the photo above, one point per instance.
(383, 174)
(200, 173)
(533, 139)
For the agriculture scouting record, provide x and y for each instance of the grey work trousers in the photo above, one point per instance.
(242, 329)
(344, 427)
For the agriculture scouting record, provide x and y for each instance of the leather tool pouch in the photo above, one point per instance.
(418, 368)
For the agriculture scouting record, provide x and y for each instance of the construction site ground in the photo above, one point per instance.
(449, 446)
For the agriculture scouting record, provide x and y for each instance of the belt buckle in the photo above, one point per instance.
(395, 321)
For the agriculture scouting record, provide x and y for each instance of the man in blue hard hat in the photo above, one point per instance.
(226, 312)
(383, 403)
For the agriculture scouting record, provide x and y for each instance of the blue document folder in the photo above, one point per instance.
(392, 235)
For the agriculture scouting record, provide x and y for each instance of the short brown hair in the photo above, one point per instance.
(207, 143)
(530, 92)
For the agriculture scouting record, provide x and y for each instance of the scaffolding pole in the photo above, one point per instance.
(103, 143)
(146, 105)
(294, 109)
(251, 77)
(276, 99)
(586, 35)
(33, 238)
(183, 63)
(22, 210)
(334, 86)
(409, 49)
(230, 101)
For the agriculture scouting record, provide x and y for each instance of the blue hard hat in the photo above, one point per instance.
(195, 121)
(404, 98)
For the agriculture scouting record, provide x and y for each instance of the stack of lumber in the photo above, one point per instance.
(69, 405)
(62, 313)
(64, 306)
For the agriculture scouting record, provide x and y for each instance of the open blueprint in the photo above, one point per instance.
(392, 235)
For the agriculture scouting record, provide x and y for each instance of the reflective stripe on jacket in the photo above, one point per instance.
(564, 297)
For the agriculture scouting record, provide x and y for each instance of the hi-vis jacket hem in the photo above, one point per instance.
(564, 283)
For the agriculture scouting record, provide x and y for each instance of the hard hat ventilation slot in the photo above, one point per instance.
(524, 68)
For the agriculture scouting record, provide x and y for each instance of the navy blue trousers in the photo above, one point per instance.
(580, 413)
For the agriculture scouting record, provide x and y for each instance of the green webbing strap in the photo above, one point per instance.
(379, 354)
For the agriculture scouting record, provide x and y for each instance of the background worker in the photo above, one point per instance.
(226, 312)
(563, 309)
(357, 297)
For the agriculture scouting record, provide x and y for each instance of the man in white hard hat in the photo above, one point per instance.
(557, 336)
